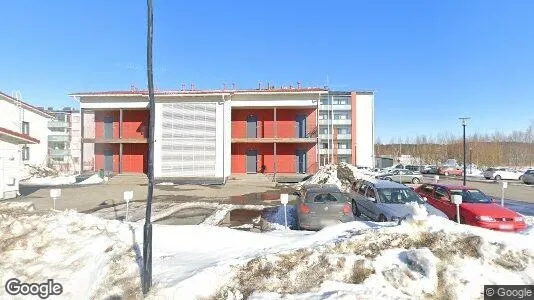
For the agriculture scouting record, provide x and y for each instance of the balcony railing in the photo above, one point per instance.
(334, 107)
(57, 124)
(338, 137)
(268, 132)
(58, 138)
(59, 152)
(335, 122)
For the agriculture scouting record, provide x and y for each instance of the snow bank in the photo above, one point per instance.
(342, 175)
(88, 256)
(424, 257)
(92, 180)
(56, 180)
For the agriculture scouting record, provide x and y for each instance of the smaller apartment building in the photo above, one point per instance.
(205, 133)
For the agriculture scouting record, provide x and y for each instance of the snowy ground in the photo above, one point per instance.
(61, 180)
(424, 257)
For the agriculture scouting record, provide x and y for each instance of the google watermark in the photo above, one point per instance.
(523, 292)
(44, 290)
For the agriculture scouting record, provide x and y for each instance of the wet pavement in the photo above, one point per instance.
(190, 216)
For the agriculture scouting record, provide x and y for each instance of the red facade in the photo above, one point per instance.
(284, 131)
(134, 129)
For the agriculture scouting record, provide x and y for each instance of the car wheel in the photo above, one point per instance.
(389, 178)
(355, 210)
(446, 173)
(382, 218)
(416, 181)
(498, 177)
(520, 178)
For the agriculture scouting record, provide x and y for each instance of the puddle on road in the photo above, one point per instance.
(190, 216)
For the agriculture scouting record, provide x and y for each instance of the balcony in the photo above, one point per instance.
(335, 122)
(337, 151)
(335, 107)
(59, 152)
(266, 134)
(338, 137)
(58, 138)
(343, 151)
(58, 124)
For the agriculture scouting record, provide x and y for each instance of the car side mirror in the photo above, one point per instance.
(371, 199)
(425, 199)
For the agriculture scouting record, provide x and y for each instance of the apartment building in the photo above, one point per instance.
(346, 133)
(64, 141)
(23, 140)
(212, 133)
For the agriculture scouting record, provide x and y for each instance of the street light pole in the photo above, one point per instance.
(464, 124)
(147, 229)
(471, 160)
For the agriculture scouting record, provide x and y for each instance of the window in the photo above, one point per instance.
(76, 119)
(340, 116)
(427, 189)
(324, 130)
(323, 116)
(343, 130)
(26, 128)
(25, 153)
(344, 159)
(325, 145)
(361, 189)
(441, 192)
(342, 145)
(370, 193)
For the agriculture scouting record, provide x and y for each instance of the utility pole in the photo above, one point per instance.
(464, 124)
(147, 232)
(470, 160)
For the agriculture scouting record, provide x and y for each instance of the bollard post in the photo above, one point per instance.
(284, 198)
(504, 186)
(55, 194)
(127, 196)
(457, 200)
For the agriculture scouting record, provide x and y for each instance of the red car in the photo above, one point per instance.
(477, 208)
(450, 171)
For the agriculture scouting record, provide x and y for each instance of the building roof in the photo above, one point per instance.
(26, 106)
(15, 137)
(204, 92)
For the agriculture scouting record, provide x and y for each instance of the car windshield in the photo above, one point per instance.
(326, 197)
(472, 196)
(398, 196)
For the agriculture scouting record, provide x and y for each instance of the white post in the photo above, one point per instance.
(54, 194)
(284, 198)
(504, 186)
(457, 199)
(127, 196)
(436, 179)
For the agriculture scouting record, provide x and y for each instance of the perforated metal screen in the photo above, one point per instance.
(188, 140)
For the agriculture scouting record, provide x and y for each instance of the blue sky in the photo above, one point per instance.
(429, 62)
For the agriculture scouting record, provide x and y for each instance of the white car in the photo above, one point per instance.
(502, 173)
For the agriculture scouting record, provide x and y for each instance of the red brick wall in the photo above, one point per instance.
(286, 158)
(286, 121)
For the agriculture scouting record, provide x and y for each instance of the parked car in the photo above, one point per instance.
(383, 200)
(321, 205)
(448, 171)
(427, 169)
(414, 168)
(502, 173)
(402, 176)
(528, 177)
(477, 208)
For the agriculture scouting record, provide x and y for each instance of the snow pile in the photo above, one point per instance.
(92, 180)
(342, 175)
(435, 259)
(424, 257)
(418, 212)
(30, 171)
(88, 256)
(55, 180)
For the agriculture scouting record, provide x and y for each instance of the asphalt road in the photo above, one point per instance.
(518, 196)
